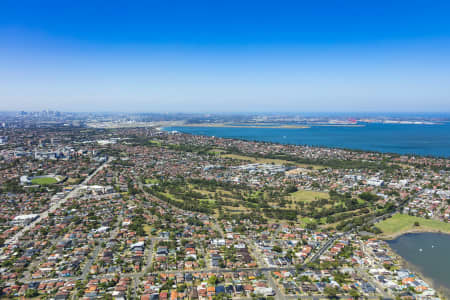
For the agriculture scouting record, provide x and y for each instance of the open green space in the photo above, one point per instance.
(170, 196)
(151, 181)
(74, 180)
(306, 220)
(44, 180)
(210, 201)
(269, 161)
(401, 223)
(155, 142)
(216, 151)
(308, 196)
(147, 228)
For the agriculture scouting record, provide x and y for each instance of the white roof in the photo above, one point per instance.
(138, 244)
(26, 217)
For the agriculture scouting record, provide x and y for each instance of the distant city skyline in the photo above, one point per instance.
(233, 56)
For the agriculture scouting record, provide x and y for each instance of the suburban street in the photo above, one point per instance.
(57, 204)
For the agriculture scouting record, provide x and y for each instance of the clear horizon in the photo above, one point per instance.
(361, 114)
(225, 57)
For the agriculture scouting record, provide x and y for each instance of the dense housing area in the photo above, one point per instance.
(129, 213)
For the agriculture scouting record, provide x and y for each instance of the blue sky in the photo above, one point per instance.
(225, 56)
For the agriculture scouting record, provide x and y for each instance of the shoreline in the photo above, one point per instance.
(441, 291)
(268, 126)
(243, 126)
(393, 236)
(409, 153)
(246, 126)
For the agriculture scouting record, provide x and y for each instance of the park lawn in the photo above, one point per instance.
(314, 167)
(155, 142)
(257, 194)
(207, 195)
(307, 196)
(172, 197)
(216, 151)
(270, 161)
(232, 210)
(169, 195)
(225, 195)
(236, 209)
(401, 223)
(151, 181)
(147, 228)
(44, 180)
(361, 201)
(74, 180)
(257, 160)
(306, 220)
(209, 201)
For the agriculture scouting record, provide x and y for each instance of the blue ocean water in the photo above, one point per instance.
(428, 140)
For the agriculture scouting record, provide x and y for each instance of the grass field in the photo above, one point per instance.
(269, 161)
(44, 180)
(154, 142)
(151, 181)
(216, 151)
(172, 197)
(147, 228)
(306, 220)
(307, 196)
(209, 201)
(74, 180)
(401, 223)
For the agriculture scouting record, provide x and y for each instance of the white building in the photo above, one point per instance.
(375, 182)
(24, 219)
(24, 180)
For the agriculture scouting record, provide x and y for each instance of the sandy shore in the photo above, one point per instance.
(247, 126)
(227, 125)
(339, 125)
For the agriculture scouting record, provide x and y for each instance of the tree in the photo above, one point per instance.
(368, 196)
(30, 293)
(291, 189)
(330, 292)
(220, 296)
(277, 248)
(304, 278)
(311, 226)
(354, 293)
(212, 280)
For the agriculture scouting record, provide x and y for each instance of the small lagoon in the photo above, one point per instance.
(428, 252)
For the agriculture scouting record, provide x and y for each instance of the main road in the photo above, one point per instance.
(135, 276)
(56, 205)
